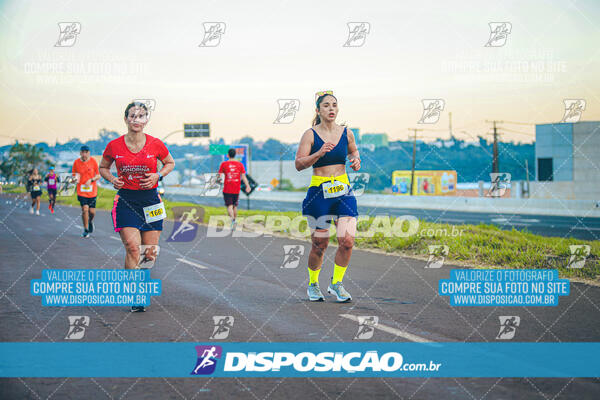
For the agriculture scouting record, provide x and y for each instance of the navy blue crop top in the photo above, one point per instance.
(337, 155)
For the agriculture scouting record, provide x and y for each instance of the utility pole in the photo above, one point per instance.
(527, 175)
(495, 166)
(414, 156)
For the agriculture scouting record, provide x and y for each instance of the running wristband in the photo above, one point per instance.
(160, 177)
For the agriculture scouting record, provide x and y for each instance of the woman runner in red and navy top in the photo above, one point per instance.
(138, 210)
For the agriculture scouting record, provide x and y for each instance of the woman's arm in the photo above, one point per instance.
(104, 170)
(353, 154)
(168, 165)
(152, 179)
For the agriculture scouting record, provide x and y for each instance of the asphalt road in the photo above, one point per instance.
(545, 225)
(243, 278)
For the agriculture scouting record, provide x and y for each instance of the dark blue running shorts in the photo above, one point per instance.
(315, 205)
(128, 209)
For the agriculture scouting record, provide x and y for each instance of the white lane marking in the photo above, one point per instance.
(58, 219)
(115, 238)
(193, 264)
(78, 226)
(393, 331)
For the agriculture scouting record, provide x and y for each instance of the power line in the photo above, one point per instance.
(522, 133)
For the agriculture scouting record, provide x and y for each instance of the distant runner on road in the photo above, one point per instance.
(87, 188)
(34, 185)
(234, 175)
(51, 185)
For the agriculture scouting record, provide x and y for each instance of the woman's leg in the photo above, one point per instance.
(150, 238)
(320, 240)
(346, 231)
(37, 202)
(131, 239)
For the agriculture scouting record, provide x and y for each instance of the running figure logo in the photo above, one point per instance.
(500, 182)
(573, 110)
(357, 33)
(148, 255)
(212, 34)
(499, 32)
(149, 103)
(68, 34)
(432, 109)
(358, 182)
(579, 253)
(287, 111)
(77, 325)
(67, 182)
(223, 325)
(212, 184)
(508, 327)
(186, 223)
(292, 253)
(366, 326)
(207, 359)
(437, 255)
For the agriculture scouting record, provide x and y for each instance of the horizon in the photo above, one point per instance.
(58, 93)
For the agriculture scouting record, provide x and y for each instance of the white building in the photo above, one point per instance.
(567, 158)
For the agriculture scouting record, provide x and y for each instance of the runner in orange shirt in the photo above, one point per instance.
(87, 188)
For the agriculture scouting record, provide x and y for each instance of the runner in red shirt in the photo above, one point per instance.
(234, 174)
(138, 210)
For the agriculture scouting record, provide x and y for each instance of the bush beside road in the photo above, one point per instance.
(468, 245)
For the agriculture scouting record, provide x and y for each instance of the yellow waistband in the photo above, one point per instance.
(318, 180)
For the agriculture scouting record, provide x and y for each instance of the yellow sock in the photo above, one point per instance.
(313, 275)
(338, 273)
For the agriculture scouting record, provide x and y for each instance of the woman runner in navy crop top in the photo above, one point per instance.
(325, 147)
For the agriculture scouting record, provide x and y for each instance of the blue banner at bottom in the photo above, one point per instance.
(308, 359)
